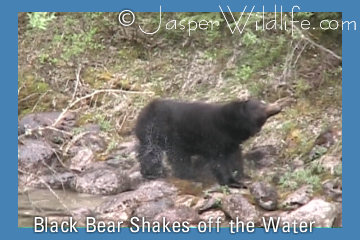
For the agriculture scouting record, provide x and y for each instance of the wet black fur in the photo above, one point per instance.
(185, 129)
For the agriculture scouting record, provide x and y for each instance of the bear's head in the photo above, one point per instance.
(258, 111)
(246, 118)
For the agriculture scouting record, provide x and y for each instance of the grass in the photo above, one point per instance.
(292, 180)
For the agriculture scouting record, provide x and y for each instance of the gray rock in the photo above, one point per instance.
(178, 214)
(185, 200)
(338, 219)
(90, 140)
(35, 155)
(298, 198)
(333, 189)
(147, 211)
(262, 156)
(91, 127)
(237, 206)
(329, 163)
(215, 214)
(56, 180)
(104, 181)
(318, 211)
(211, 202)
(121, 162)
(44, 119)
(121, 206)
(82, 159)
(265, 195)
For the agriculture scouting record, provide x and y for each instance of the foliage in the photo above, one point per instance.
(292, 180)
(40, 20)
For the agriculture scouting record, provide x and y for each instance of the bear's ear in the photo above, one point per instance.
(272, 109)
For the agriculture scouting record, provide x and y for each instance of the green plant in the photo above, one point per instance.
(338, 170)
(105, 125)
(249, 39)
(78, 130)
(225, 189)
(112, 145)
(40, 20)
(291, 180)
(217, 203)
(244, 73)
(78, 43)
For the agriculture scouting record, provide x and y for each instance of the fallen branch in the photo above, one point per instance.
(91, 95)
(73, 103)
(77, 73)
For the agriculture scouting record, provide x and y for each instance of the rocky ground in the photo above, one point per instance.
(40, 166)
(79, 97)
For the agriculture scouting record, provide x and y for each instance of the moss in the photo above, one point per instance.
(94, 78)
(85, 119)
(34, 95)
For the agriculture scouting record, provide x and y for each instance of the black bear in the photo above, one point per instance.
(212, 131)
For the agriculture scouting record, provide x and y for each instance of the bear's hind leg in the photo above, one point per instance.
(223, 171)
(236, 165)
(180, 164)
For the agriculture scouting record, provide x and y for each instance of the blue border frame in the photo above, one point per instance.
(351, 54)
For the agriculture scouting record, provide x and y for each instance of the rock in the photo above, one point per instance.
(297, 164)
(127, 148)
(118, 208)
(329, 163)
(338, 219)
(91, 140)
(328, 137)
(298, 198)
(324, 141)
(317, 210)
(262, 156)
(260, 160)
(104, 181)
(265, 195)
(236, 206)
(44, 119)
(134, 168)
(124, 156)
(178, 214)
(81, 160)
(215, 214)
(317, 152)
(211, 202)
(121, 162)
(82, 212)
(79, 215)
(135, 179)
(185, 200)
(333, 189)
(147, 211)
(92, 128)
(121, 206)
(55, 180)
(155, 189)
(35, 155)
(187, 187)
